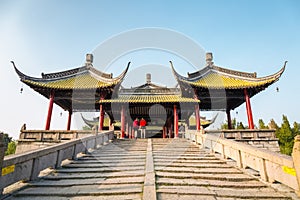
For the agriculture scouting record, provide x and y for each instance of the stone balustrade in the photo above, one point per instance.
(259, 138)
(36, 139)
(27, 166)
(245, 134)
(271, 166)
(53, 135)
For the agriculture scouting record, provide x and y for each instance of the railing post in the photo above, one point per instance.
(296, 161)
(262, 171)
(239, 161)
(2, 152)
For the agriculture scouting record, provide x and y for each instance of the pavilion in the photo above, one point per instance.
(88, 89)
(223, 89)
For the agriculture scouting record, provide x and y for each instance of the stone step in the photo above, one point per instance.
(195, 165)
(101, 165)
(199, 170)
(128, 156)
(72, 182)
(91, 190)
(133, 196)
(214, 183)
(83, 175)
(186, 156)
(91, 169)
(104, 161)
(224, 177)
(172, 163)
(174, 160)
(164, 196)
(252, 193)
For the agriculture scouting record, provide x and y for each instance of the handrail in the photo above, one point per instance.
(28, 165)
(271, 166)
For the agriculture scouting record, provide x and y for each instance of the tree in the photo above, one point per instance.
(273, 125)
(10, 144)
(261, 124)
(11, 148)
(285, 136)
(240, 125)
(296, 129)
(225, 125)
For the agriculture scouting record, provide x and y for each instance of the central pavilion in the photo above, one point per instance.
(88, 89)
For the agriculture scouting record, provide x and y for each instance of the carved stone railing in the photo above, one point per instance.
(53, 135)
(27, 166)
(259, 138)
(270, 165)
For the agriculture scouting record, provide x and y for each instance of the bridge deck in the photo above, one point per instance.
(148, 169)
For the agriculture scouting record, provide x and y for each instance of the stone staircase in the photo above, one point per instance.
(148, 169)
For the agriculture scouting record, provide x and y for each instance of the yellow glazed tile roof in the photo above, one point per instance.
(214, 80)
(83, 81)
(150, 99)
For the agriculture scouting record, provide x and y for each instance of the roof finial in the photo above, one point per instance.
(148, 78)
(209, 59)
(89, 59)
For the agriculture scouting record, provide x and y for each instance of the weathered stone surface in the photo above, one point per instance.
(92, 190)
(144, 169)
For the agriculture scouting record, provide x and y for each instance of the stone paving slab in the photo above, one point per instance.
(72, 182)
(199, 170)
(249, 193)
(91, 190)
(231, 177)
(106, 164)
(116, 161)
(100, 169)
(188, 161)
(185, 157)
(197, 165)
(196, 190)
(78, 197)
(121, 156)
(161, 196)
(216, 183)
(95, 175)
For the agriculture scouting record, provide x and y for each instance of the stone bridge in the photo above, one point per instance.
(201, 166)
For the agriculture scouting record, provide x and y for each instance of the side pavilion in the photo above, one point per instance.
(223, 89)
(75, 90)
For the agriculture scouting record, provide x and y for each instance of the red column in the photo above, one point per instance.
(101, 117)
(69, 120)
(229, 119)
(175, 122)
(249, 110)
(50, 108)
(122, 122)
(197, 117)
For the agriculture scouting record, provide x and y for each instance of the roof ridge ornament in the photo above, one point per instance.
(89, 60)
(209, 59)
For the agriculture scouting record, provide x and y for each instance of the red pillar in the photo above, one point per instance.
(50, 108)
(101, 117)
(175, 122)
(249, 110)
(122, 122)
(197, 117)
(69, 120)
(229, 119)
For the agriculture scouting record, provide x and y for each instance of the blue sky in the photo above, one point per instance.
(48, 36)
